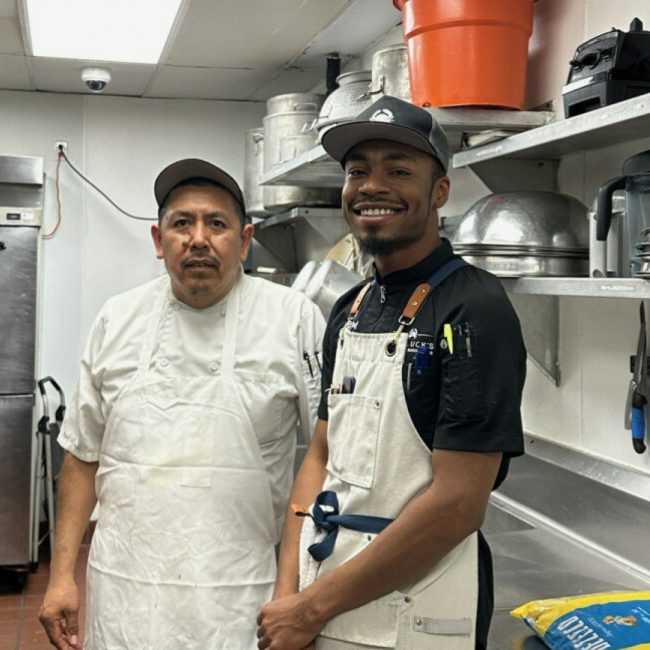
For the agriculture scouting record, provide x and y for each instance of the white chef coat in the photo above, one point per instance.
(276, 327)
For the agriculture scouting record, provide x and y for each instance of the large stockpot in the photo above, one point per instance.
(540, 220)
(514, 234)
(346, 102)
(290, 117)
(390, 73)
(329, 282)
(253, 170)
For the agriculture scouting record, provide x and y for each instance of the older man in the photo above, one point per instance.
(183, 427)
(423, 372)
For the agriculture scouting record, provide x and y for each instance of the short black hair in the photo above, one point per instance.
(201, 182)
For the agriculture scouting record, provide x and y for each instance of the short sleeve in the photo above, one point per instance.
(83, 427)
(310, 358)
(483, 374)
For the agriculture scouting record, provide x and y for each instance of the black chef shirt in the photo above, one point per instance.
(466, 401)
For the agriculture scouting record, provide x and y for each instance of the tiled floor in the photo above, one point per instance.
(19, 626)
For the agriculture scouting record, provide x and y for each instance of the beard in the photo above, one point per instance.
(373, 244)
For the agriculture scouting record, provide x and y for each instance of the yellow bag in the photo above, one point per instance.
(607, 621)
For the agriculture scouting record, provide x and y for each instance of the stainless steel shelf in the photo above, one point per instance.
(530, 161)
(315, 168)
(293, 237)
(622, 122)
(581, 287)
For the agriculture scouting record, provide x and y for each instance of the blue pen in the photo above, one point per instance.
(422, 358)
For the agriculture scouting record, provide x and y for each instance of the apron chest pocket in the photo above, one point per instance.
(352, 435)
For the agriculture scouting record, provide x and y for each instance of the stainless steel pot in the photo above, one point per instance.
(516, 234)
(306, 273)
(390, 73)
(329, 283)
(290, 117)
(346, 102)
(544, 220)
(253, 171)
(505, 266)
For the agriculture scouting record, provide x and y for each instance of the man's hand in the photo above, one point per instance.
(288, 624)
(59, 614)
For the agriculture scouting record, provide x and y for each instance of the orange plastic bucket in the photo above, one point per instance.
(468, 52)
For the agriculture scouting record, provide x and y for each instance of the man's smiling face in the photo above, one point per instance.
(390, 197)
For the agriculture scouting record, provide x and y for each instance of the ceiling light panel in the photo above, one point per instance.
(127, 31)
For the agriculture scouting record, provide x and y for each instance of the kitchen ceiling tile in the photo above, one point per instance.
(11, 39)
(352, 32)
(249, 33)
(289, 81)
(207, 83)
(14, 73)
(64, 76)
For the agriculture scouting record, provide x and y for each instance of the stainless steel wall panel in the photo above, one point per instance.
(16, 434)
(18, 279)
(604, 503)
(24, 170)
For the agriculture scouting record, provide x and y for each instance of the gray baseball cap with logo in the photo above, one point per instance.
(391, 119)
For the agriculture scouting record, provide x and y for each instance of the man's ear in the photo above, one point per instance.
(441, 191)
(246, 239)
(157, 240)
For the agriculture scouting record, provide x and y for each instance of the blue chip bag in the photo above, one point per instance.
(608, 621)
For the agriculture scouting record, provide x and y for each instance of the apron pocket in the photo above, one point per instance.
(265, 396)
(374, 624)
(352, 435)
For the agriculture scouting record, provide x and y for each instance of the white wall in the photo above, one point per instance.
(121, 144)
(597, 336)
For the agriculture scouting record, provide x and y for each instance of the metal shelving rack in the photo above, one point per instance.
(315, 168)
(580, 287)
(527, 160)
(530, 161)
(293, 234)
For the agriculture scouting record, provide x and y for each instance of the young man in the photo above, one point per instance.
(183, 426)
(423, 372)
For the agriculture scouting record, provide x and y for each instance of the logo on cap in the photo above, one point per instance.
(384, 115)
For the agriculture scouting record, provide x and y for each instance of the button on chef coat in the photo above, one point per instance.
(275, 327)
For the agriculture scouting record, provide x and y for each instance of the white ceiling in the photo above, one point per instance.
(219, 49)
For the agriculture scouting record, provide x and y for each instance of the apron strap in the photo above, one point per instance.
(148, 343)
(359, 299)
(230, 334)
(325, 514)
(422, 291)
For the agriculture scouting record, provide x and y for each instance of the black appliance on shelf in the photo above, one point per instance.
(608, 69)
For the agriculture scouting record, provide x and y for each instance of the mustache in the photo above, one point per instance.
(393, 204)
(201, 259)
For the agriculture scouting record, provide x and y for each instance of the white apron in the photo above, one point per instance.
(183, 554)
(377, 465)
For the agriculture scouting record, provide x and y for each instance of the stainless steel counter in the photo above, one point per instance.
(535, 556)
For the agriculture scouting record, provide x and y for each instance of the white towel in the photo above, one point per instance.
(308, 566)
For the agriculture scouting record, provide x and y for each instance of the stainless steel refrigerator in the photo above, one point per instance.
(21, 203)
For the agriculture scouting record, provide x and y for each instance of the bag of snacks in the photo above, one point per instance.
(607, 621)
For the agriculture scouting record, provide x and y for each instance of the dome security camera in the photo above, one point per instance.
(96, 79)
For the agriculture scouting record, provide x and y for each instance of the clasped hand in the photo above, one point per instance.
(287, 624)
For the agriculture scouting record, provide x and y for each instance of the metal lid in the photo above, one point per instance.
(637, 164)
(358, 76)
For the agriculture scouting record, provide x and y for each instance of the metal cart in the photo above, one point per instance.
(49, 459)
